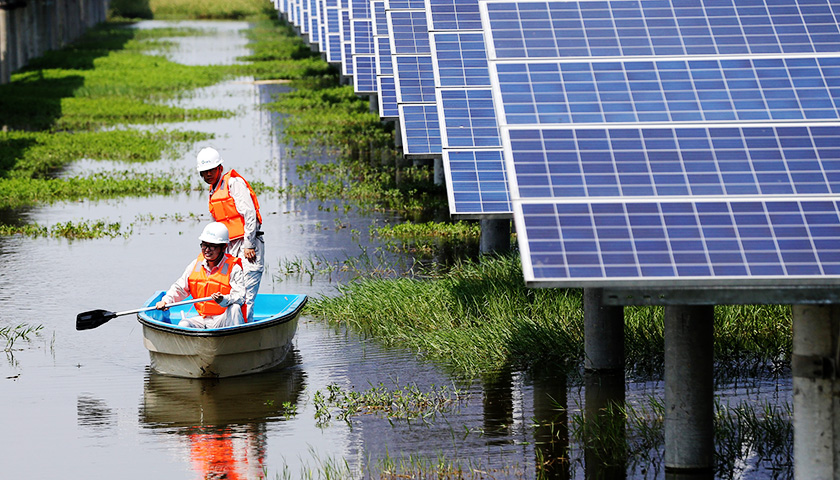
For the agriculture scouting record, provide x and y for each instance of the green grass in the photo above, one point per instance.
(479, 317)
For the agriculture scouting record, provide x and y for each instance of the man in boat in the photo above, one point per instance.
(214, 273)
(232, 201)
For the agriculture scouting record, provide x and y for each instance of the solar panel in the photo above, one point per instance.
(385, 83)
(477, 182)
(630, 28)
(714, 90)
(333, 34)
(420, 129)
(414, 77)
(364, 76)
(347, 43)
(670, 143)
(388, 107)
(471, 145)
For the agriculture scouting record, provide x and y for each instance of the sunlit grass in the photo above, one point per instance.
(480, 317)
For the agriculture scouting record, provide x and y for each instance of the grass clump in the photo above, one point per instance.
(480, 317)
(330, 115)
(476, 318)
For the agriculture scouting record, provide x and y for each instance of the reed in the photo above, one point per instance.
(16, 333)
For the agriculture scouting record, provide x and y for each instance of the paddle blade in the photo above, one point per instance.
(93, 319)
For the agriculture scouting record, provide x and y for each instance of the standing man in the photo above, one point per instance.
(232, 201)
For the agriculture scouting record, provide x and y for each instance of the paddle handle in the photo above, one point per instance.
(146, 309)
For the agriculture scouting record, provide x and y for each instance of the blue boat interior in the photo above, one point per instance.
(266, 307)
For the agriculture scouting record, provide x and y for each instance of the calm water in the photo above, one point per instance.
(84, 404)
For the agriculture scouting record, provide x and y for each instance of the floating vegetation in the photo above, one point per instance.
(403, 403)
(280, 54)
(22, 332)
(86, 229)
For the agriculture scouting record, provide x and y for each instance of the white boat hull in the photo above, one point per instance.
(222, 352)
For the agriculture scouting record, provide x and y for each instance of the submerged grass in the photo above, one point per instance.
(480, 317)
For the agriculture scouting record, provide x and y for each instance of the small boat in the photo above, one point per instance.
(221, 352)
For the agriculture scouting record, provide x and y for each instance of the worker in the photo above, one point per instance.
(232, 201)
(213, 274)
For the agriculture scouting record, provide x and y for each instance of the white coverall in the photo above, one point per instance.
(253, 270)
(236, 297)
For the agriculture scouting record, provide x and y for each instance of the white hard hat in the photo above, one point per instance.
(216, 233)
(208, 158)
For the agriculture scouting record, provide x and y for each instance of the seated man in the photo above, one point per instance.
(214, 273)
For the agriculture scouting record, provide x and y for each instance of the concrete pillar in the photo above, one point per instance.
(439, 174)
(603, 333)
(495, 236)
(816, 400)
(5, 68)
(689, 389)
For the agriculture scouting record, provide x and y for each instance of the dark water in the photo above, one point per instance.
(84, 405)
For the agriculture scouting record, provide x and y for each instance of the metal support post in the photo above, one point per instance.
(495, 236)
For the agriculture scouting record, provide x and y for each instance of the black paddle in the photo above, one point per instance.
(95, 318)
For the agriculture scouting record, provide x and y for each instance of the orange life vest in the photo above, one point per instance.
(223, 208)
(203, 284)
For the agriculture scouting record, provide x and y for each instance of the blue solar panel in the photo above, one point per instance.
(364, 73)
(461, 59)
(380, 18)
(406, 4)
(333, 34)
(388, 107)
(384, 63)
(415, 79)
(314, 26)
(478, 184)
(420, 129)
(469, 118)
(717, 165)
(671, 91)
(455, 15)
(362, 37)
(633, 28)
(347, 43)
(695, 161)
(683, 242)
(409, 32)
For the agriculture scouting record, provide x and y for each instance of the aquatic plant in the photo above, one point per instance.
(20, 332)
(404, 403)
(480, 317)
(86, 229)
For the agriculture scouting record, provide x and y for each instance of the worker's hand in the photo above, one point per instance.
(250, 254)
(161, 305)
(218, 297)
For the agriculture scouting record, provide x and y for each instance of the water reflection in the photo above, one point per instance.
(551, 434)
(604, 451)
(223, 421)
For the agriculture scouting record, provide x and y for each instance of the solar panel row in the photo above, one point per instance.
(418, 56)
(665, 143)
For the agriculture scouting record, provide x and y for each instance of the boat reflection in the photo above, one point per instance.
(223, 421)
